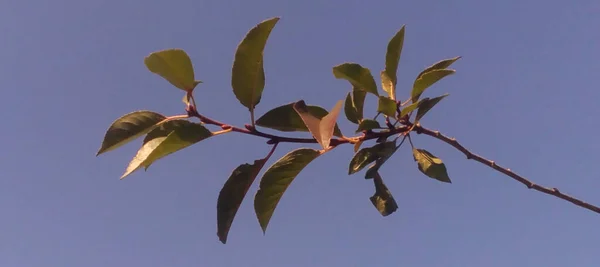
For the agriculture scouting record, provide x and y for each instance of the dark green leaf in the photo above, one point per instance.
(277, 179)
(368, 124)
(163, 142)
(358, 76)
(367, 155)
(374, 169)
(247, 74)
(386, 106)
(349, 109)
(426, 105)
(442, 64)
(382, 199)
(175, 66)
(426, 80)
(430, 165)
(232, 194)
(408, 109)
(392, 58)
(284, 118)
(129, 127)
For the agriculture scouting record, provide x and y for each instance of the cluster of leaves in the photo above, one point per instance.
(166, 135)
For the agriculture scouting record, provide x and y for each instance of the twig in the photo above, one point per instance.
(547, 190)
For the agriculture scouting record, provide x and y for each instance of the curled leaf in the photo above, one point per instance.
(382, 199)
(365, 156)
(357, 75)
(284, 118)
(430, 165)
(321, 129)
(175, 66)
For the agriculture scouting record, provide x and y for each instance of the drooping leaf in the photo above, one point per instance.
(277, 179)
(442, 64)
(386, 106)
(349, 109)
(284, 118)
(430, 165)
(408, 109)
(426, 105)
(357, 75)
(163, 142)
(383, 200)
(426, 80)
(384, 156)
(321, 129)
(128, 128)
(367, 155)
(247, 74)
(175, 66)
(392, 58)
(368, 124)
(232, 194)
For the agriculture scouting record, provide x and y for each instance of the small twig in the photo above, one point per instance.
(547, 190)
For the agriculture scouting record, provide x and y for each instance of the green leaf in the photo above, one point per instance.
(372, 172)
(392, 58)
(426, 105)
(321, 129)
(408, 109)
(358, 76)
(367, 155)
(175, 66)
(128, 128)
(442, 64)
(171, 137)
(386, 106)
(284, 118)
(426, 80)
(382, 199)
(276, 180)
(430, 165)
(232, 194)
(353, 107)
(368, 124)
(247, 74)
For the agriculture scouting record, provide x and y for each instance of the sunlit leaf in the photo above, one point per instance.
(284, 118)
(247, 74)
(357, 75)
(426, 105)
(386, 106)
(357, 146)
(161, 142)
(175, 66)
(430, 165)
(382, 199)
(276, 180)
(128, 128)
(232, 194)
(408, 109)
(368, 124)
(426, 80)
(392, 58)
(442, 64)
(321, 129)
(367, 155)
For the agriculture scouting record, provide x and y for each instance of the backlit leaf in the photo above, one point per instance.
(350, 110)
(164, 142)
(384, 156)
(430, 165)
(408, 109)
(232, 194)
(358, 76)
(382, 199)
(353, 107)
(392, 58)
(321, 129)
(175, 66)
(277, 179)
(284, 118)
(426, 105)
(368, 124)
(367, 155)
(426, 80)
(128, 128)
(442, 64)
(247, 74)
(386, 106)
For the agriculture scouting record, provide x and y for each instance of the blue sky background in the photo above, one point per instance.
(525, 95)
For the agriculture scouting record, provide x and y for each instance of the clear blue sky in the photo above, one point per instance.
(525, 94)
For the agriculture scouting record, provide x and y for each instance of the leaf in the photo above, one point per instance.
(232, 194)
(430, 165)
(163, 141)
(175, 66)
(247, 74)
(284, 118)
(426, 80)
(442, 64)
(128, 128)
(382, 199)
(372, 172)
(357, 146)
(365, 156)
(321, 129)
(392, 58)
(426, 105)
(368, 124)
(408, 109)
(277, 179)
(386, 106)
(358, 76)
(350, 111)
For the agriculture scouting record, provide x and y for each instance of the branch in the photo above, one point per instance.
(547, 190)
